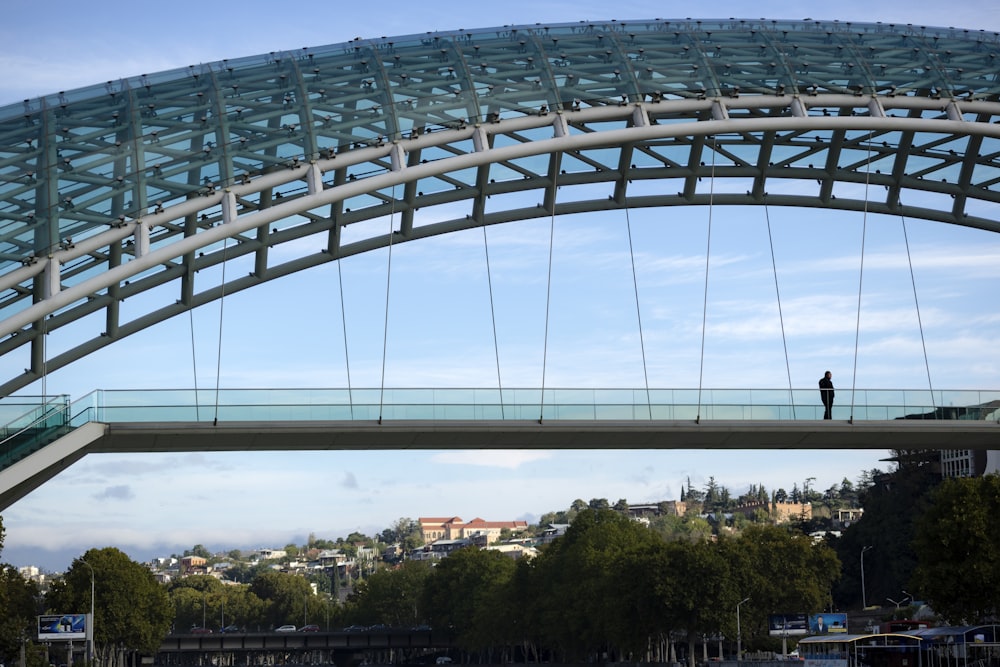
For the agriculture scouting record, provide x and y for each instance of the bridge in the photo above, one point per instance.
(305, 648)
(122, 205)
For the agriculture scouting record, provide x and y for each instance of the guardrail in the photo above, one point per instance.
(366, 404)
(40, 422)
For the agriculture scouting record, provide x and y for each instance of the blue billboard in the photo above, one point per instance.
(821, 624)
(62, 627)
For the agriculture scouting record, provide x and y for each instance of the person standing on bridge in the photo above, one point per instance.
(826, 394)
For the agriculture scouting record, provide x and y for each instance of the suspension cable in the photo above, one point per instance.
(343, 322)
(638, 312)
(493, 315)
(708, 253)
(548, 292)
(916, 303)
(781, 319)
(861, 274)
(385, 324)
(218, 356)
(194, 368)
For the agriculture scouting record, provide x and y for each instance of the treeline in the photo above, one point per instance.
(610, 588)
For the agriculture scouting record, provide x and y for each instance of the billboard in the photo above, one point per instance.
(781, 625)
(821, 624)
(62, 626)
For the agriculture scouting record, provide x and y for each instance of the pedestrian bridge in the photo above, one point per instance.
(50, 436)
(144, 190)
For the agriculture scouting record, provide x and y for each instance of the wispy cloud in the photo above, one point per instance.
(510, 459)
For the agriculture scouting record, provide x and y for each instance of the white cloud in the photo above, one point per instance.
(496, 458)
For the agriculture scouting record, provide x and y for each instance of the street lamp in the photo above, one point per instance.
(864, 601)
(90, 625)
(906, 599)
(739, 636)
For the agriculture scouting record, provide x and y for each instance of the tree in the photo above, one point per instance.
(392, 597)
(198, 550)
(463, 591)
(888, 524)
(779, 570)
(696, 590)
(132, 611)
(285, 597)
(19, 604)
(202, 600)
(958, 550)
(595, 587)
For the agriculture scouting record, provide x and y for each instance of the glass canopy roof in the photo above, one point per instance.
(76, 161)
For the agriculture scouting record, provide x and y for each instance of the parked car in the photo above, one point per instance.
(309, 628)
(354, 628)
(231, 628)
(285, 628)
(201, 631)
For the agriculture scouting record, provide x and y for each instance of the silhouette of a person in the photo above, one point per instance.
(826, 394)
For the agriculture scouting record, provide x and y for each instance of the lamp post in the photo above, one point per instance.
(906, 599)
(90, 625)
(864, 600)
(739, 635)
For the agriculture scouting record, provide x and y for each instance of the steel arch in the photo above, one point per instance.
(110, 191)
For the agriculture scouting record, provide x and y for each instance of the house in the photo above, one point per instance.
(454, 528)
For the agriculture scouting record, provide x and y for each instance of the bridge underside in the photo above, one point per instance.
(507, 434)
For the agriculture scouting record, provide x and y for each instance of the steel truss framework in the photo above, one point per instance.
(110, 191)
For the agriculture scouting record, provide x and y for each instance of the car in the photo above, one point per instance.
(285, 628)
(354, 628)
(378, 627)
(443, 660)
(309, 628)
(201, 631)
(231, 629)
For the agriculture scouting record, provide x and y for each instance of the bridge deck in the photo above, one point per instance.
(563, 434)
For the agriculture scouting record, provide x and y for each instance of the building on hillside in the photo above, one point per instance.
(438, 549)
(969, 462)
(846, 516)
(433, 529)
(516, 551)
(193, 565)
(553, 531)
(778, 512)
(784, 512)
(662, 508)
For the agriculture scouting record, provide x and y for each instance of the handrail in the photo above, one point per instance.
(319, 404)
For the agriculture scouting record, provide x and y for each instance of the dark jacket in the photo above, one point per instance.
(826, 389)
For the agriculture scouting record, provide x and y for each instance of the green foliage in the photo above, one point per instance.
(958, 550)
(132, 611)
(464, 592)
(581, 582)
(888, 526)
(202, 600)
(19, 604)
(285, 598)
(780, 570)
(393, 597)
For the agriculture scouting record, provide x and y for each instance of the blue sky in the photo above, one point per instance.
(440, 331)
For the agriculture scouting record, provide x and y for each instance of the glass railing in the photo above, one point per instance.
(411, 404)
(39, 420)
